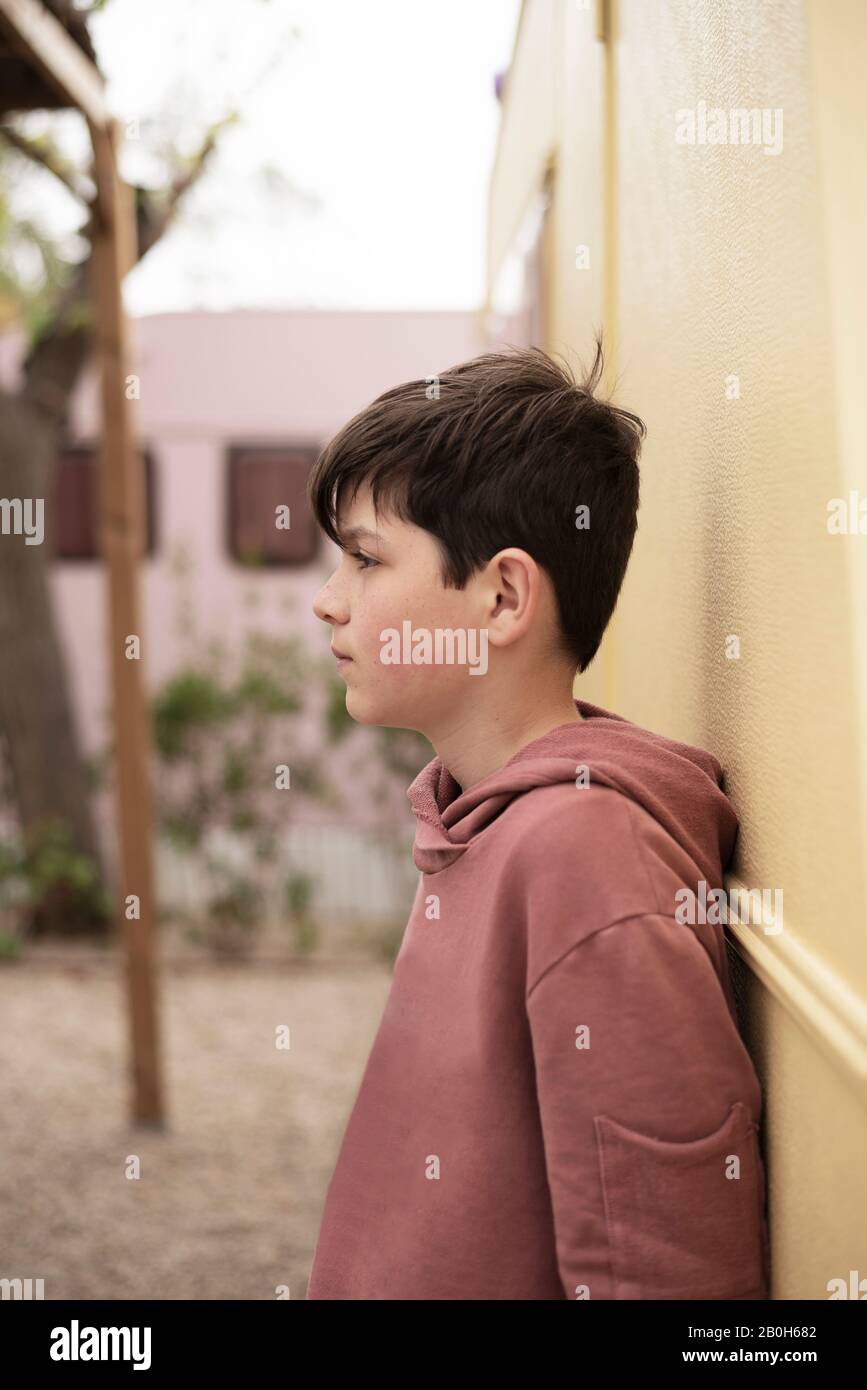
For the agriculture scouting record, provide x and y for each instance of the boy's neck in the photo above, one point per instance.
(483, 744)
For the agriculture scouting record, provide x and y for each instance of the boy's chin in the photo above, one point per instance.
(379, 713)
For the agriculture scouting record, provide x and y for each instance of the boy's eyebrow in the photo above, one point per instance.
(358, 533)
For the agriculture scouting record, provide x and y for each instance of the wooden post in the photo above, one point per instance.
(122, 539)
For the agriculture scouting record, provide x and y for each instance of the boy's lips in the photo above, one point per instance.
(341, 656)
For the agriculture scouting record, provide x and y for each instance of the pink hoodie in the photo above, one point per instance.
(558, 1103)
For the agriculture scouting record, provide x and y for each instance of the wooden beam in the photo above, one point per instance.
(121, 528)
(40, 37)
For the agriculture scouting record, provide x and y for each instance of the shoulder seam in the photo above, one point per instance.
(576, 945)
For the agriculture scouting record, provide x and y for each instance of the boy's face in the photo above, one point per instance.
(389, 574)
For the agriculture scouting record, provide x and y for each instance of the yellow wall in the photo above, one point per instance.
(710, 262)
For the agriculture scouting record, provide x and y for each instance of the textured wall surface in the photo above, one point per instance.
(731, 284)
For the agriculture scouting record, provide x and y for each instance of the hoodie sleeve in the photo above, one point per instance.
(649, 1108)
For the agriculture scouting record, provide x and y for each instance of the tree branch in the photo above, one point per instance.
(154, 215)
(54, 361)
(42, 152)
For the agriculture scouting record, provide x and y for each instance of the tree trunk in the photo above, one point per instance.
(46, 771)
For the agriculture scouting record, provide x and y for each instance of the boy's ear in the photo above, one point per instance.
(512, 595)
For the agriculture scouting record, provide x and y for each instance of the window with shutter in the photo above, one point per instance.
(73, 520)
(269, 518)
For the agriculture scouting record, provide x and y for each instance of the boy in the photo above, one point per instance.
(558, 1104)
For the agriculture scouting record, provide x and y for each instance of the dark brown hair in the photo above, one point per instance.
(500, 451)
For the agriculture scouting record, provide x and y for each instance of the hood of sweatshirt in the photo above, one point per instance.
(681, 787)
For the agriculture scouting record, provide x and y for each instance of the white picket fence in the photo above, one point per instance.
(359, 875)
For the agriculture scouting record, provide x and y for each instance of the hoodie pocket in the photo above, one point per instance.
(678, 1225)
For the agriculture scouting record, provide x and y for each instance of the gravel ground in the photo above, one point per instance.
(230, 1194)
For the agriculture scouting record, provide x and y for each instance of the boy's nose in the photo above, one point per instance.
(328, 607)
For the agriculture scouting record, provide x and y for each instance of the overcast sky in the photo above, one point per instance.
(358, 174)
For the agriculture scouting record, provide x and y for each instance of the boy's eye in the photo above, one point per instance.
(366, 560)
